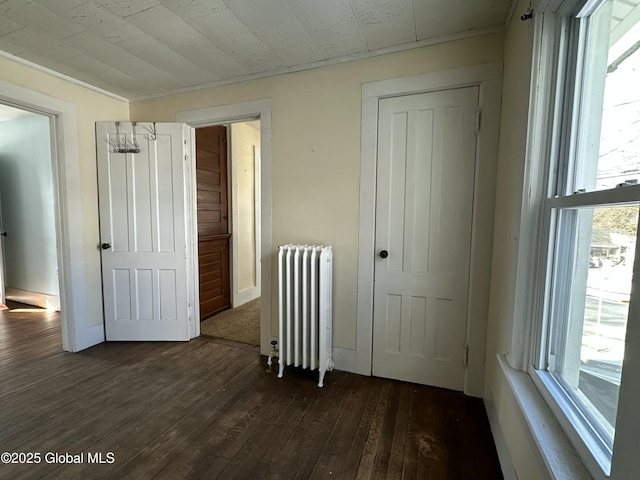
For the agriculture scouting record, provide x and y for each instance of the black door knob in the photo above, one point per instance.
(384, 254)
(4, 234)
(105, 246)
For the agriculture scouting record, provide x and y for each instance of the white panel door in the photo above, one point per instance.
(143, 231)
(425, 176)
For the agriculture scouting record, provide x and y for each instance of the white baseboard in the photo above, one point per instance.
(245, 296)
(344, 359)
(50, 302)
(504, 456)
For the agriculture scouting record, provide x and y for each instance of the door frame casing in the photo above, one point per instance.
(77, 334)
(488, 78)
(240, 112)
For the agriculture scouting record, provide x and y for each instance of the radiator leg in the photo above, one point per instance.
(321, 379)
(327, 367)
(274, 348)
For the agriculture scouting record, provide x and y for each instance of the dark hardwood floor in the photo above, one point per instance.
(209, 409)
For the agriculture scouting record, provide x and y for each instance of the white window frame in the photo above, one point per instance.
(546, 140)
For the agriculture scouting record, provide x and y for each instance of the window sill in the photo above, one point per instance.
(558, 455)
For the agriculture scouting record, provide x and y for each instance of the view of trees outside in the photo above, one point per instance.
(622, 220)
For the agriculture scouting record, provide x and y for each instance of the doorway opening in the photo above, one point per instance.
(241, 112)
(79, 328)
(229, 230)
(28, 242)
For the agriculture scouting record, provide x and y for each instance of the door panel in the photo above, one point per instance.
(426, 159)
(143, 232)
(213, 224)
(214, 274)
(211, 181)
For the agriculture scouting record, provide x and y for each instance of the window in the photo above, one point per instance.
(591, 219)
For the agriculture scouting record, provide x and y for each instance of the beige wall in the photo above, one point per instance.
(513, 135)
(91, 107)
(316, 148)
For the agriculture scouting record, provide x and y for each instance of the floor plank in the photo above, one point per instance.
(210, 408)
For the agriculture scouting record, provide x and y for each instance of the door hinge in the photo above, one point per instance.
(466, 355)
(478, 118)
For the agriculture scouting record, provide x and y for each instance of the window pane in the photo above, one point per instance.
(612, 77)
(595, 253)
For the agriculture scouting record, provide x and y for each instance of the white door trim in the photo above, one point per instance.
(77, 334)
(489, 80)
(258, 109)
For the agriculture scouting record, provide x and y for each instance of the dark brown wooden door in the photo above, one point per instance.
(213, 225)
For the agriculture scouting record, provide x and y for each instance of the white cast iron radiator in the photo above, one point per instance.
(304, 300)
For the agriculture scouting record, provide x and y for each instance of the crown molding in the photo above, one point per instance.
(62, 76)
(325, 63)
(245, 78)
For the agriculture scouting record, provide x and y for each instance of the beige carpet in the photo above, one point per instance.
(241, 324)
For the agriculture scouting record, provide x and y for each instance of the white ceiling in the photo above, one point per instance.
(141, 48)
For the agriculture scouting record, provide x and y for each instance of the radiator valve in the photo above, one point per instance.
(273, 353)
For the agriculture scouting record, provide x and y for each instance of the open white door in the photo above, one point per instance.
(3, 234)
(143, 227)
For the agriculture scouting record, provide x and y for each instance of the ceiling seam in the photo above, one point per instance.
(305, 30)
(359, 27)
